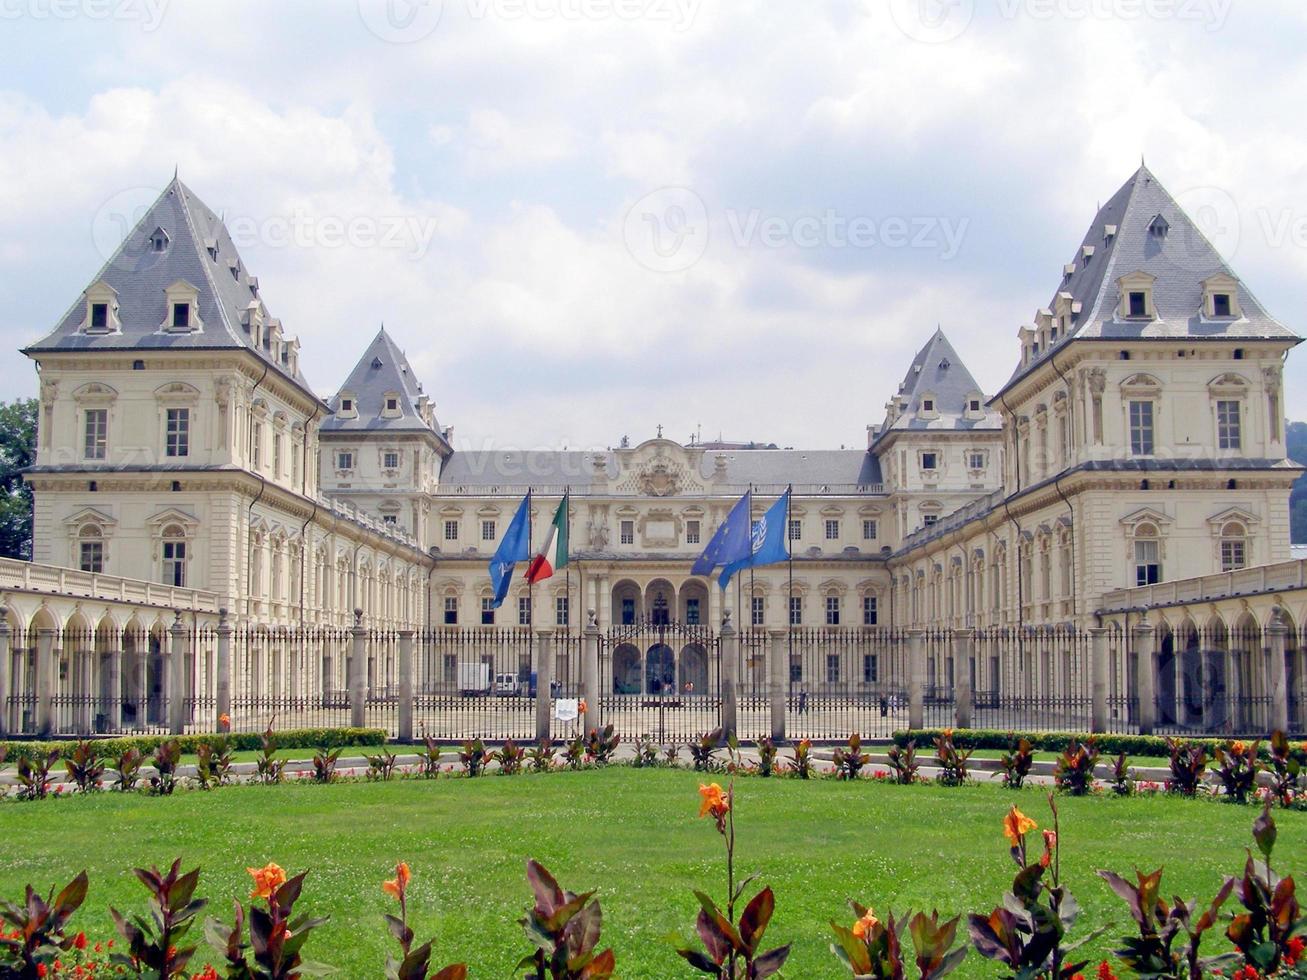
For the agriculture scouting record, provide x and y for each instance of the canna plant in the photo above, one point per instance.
(509, 757)
(413, 964)
(324, 765)
(574, 754)
(703, 750)
(128, 763)
(1188, 763)
(850, 759)
(268, 769)
(1284, 767)
(872, 949)
(1123, 780)
(903, 763)
(1153, 952)
(1269, 932)
(801, 763)
(155, 946)
(37, 938)
(646, 754)
(381, 767)
(951, 760)
(276, 935)
(34, 775)
(1015, 764)
(85, 767)
(1074, 771)
(1237, 768)
(472, 757)
(212, 764)
(165, 759)
(671, 756)
(564, 928)
(601, 745)
(542, 755)
(1026, 934)
(766, 757)
(731, 949)
(429, 758)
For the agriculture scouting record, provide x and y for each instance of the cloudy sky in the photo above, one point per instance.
(586, 218)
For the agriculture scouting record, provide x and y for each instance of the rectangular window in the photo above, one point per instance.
(276, 454)
(99, 316)
(390, 460)
(524, 611)
(758, 610)
(929, 461)
(451, 610)
(870, 613)
(870, 668)
(929, 520)
(1148, 570)
(832, 530)
(832, 668)
(832, 610)
(344, 461)
(796, 672)
(1141, 428)
(869, 530)
(174, 563)
(451, 530)
(1233, 555)
(628, 612)
(487, 530)
(95, 443)
(796, 610)
(1228, 434)
(487, 611)
(628, 532)
(1138, 304)
(692, 612)
(181, 315)
(562, 612)
(92, 556)
(976, 461)
(1221, 304)
(796, 528)
(390, 519)
(691, 532)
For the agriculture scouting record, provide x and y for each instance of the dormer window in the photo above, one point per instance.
(1221, 304)
(182, 301)
(101, 309)
(973, 405)
(1158, 227)
(928, 405)
(390, 404)
(349, 406)
(158, 240)
(181, 316)
(1220, 300)
(1138, 303)
(99, 316)
(1136, 296)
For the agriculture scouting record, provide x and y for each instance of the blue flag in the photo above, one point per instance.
(730, 543)
(513, 548)
(770, 540)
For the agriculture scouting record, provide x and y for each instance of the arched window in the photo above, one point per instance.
(1234, 546)
(90, 548)
(174, 555)
(1148, 554)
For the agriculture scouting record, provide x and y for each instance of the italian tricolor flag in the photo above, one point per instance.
(553, 554)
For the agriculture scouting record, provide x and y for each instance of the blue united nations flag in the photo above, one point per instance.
(769, 541)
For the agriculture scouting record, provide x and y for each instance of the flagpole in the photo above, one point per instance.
(530, 598)
(789, 596)
(567, 555)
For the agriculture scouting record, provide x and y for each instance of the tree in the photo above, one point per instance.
(17, 452)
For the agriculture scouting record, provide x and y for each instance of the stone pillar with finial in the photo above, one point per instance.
(177, 675)
(590, 672)
(1277, 635)
(222, 683)
(358, 672)
(730, 674)
(6, 665)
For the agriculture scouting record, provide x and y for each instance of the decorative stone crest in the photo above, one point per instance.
(659, 478)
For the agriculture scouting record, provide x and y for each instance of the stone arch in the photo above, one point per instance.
(692, 674)
(627, 669)
(660, 601)
(693, 602)
(628, 602)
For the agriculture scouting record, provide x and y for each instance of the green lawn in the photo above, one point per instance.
(632, 834)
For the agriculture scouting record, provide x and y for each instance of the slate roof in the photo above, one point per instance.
(937, 371)
(199, 252)
(1180, 260)
(516, 470)
(382, 368)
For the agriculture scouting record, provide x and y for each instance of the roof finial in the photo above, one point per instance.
(175, 168)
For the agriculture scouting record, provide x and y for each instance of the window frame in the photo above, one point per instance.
(95, 444)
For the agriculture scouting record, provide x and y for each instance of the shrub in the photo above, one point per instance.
(1015, 763)
(1108, 742)
(1026, 933)
(850, 759)
(157, 943)
(766, 757)
(564, 928)
(34, 776)
(128, 763)
(1268, 932)
(801, 762)
(165, 759)
(276, 936)
(1151, 953)
(1237, 768)
(213, 764)
(903, 763)
(509, 757)
(85, 767)
(268, 769)
(381, 767)
(1074, 772)
(1123, 781)
(601, 745)
(952, 760)
(646, 754)
(413, 964)
(472, 757)
(574, 754)
(703, 750)
(324, 765)
(542, 755)
(38, 936)
(1284, 767)
(429, 758)
(294, 738)
(671, 756)
(1188, 764)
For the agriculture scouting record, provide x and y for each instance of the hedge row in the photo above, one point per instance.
(1108, 743)
(290, 738)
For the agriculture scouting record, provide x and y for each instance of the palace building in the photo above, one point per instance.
(1140, 438)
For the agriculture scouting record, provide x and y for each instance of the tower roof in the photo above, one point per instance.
(382, 371)
(1141, 229)
(195, 250)
(937, 375)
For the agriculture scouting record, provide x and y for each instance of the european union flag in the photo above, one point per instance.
(514, 547)
(770, 542)
(730, 543)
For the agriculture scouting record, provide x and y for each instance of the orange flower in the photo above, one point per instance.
(715, 802)
(865, 924)
(398, 885)
(1016, 825)
(582, 707)
(267, 880)
(1237, 748)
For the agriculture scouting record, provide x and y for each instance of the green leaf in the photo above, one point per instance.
(753, 923)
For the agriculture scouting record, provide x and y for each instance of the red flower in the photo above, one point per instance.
(1104, 971)
(79, 941)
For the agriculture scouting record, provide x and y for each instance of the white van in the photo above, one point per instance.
(507, 685)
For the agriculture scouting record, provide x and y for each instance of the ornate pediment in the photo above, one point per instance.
(660, 468)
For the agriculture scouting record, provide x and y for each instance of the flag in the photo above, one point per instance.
(731, 542)
(769, 541)
(513, 548)
(553, 553)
